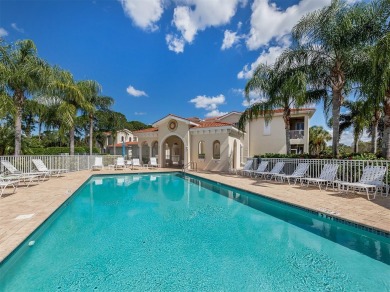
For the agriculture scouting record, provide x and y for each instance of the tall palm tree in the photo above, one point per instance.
(357, 117)
(69, 96)
(22, 73)
(318, 137)
(329, 41)
(281, 89)
(97, 102)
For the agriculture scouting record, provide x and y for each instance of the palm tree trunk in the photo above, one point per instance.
(90, 134)
(386, 131)
(286, 117)
(374, 131)
(19, 100)
(71, 141)
(336, 105)
(355, 144)
(113, 143)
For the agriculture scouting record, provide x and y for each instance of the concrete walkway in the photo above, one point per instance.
(21, 213)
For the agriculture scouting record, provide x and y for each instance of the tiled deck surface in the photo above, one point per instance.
(39, 201)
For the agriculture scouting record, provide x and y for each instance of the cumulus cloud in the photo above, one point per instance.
(210, 104)
(253, 97)
(135, 92)
(175, 43)
(347, 137)
(15, 27)
(268, 56)
(191, 16)
(269, 22)
(144, 13)
(3, 32)
(230, 38)
(215, 113)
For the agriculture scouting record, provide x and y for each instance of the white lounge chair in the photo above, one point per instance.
(278, 167)
(327, 176)
(153, 162)
(129, 163)
(136, 162)
(6, 182)
(371, 179)
(298, 173)
(98, 165)
(26, 177)
(120, 163)
(41, 167)
(248, 166)
(261, 168)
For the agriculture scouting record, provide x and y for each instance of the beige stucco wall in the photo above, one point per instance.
(209, 163)
(259, 143)
(233, 118)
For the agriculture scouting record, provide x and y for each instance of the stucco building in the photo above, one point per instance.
(216, 144)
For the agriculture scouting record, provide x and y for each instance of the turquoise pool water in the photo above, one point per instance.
(166, 232)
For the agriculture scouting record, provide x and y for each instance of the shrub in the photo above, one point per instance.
(60, 150)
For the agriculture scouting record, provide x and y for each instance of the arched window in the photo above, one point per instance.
(216, 150)
(129, 139)
(122, 138)
(155, 149)
(201, 154)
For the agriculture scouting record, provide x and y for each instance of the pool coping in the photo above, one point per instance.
(373, 230)
(88, 175)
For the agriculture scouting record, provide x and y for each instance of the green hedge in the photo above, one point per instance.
(60, 150)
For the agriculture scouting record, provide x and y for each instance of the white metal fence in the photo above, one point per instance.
(70, 162)
(349, 170)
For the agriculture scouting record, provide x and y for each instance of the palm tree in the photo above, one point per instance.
(381, 73)
(357, 117)
(22, 73)
(68, 94)
(329, 42)
(318, 137)
(97, 102)
(282, 89)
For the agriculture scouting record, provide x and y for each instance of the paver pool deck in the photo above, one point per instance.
(21, 213)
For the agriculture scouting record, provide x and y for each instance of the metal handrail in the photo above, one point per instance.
(190, 165)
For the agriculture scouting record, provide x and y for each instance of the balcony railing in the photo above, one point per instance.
(297, 134)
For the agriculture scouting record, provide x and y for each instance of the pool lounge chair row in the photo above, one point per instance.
(371, 179)
(120, 163)
(12, 176)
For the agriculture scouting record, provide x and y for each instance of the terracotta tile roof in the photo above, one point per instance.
(212, 124)
(146, 130)
(176, 116)
(126, 144)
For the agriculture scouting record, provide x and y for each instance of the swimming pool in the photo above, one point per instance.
(175, 232)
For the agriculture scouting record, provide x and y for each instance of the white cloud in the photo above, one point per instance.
(15, 27)
(208, 103)
(266, 57)
(191, 16)
(269, 22)
(230, 38)
(135, 92)
(3, 32)
(215, 113)
(347, 137)
(253, 97)
(175, 43)
(139, 113)
(144, 13)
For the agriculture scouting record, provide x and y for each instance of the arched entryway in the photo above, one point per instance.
(172, 152)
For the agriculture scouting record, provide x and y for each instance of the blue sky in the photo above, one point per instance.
(154, 57)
